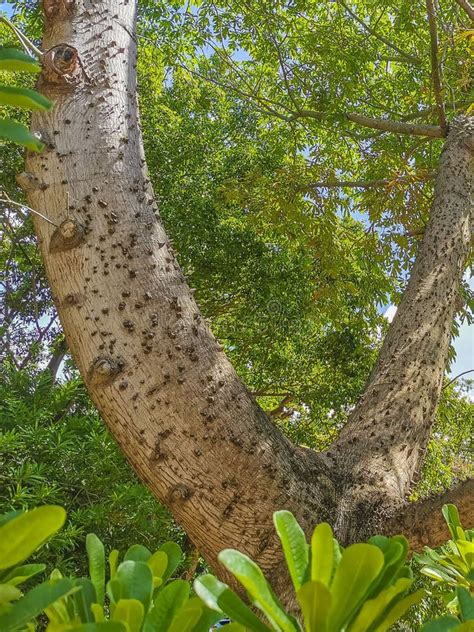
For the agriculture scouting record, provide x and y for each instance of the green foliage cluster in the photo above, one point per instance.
(362, 588)
(15, 60)
(55, 449)
(452, 567)
(137, 597)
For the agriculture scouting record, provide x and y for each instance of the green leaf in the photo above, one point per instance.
(8, 593)
(20, 574)
(451, 516)
(251, 577)
(443, 624)
(130, 612)
(168, 602)
(218, 596)
(295, 547)
(84, 598)
(175, 557)
(359, 566)
(34, 602)
(466, 603)
(399, 609)
(374, 608)
(136, 582)
(187, 617)
(113, 562)
(315, 601)
(19, 134)
(137, 553)
(158, 563)
(394, 557)
(322, 554)
(15, 60)
(96, 556)
(24, 98)
(20, 537)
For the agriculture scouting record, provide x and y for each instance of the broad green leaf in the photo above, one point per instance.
(15, 60)
(84, 599)
(218, 596)
(137, 553)
(113, 562)
(136, 582)
(102, 626)
(96, 557)
(394, 558)
(20, 574)
(322, 554)
(187, 617)
(207, 619)
(399, 609)
(20, 537)
(34, 602)
(175, 557)
(373, 608)
(4, 518)
(24, 98)
(443, 624)
(19, 134)
(466, 603)
(451, 515)
(251, 577)
(166, 605)
(8, 593)
(315, 601)
(130, 612)
(295, 547)
(359, 566)
(158, 563)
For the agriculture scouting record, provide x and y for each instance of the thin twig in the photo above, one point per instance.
(24, 41)
(457, 376)
(411, 58)
(7, 200)
(369, 184)
(435, 65)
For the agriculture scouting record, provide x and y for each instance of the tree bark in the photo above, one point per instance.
(186, 422)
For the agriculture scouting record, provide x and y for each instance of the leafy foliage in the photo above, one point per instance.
(452, 567)
(139, 595)
(359, 589)
(14, 60)
(55, 449)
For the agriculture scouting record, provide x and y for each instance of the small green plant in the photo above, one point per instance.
(362, 588)
(451, 568)
(15, 60)
(138, 596)
(20, 535)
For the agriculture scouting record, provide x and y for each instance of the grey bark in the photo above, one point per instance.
(161, 381)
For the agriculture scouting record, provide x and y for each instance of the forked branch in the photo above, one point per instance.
(467, 7)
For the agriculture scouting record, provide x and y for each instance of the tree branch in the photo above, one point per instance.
(411, 58)
(435, 65)
(422, 522)
(369, 184)
(466, 6)
(396, 127)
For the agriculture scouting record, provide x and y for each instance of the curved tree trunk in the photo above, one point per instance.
(169, 395)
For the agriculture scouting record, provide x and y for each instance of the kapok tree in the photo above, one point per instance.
(161, 381)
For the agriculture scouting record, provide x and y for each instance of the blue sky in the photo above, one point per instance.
(464, 344)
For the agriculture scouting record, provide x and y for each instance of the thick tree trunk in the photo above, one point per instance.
(187, 424)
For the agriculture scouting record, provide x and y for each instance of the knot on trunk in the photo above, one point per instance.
(104, 370)
(61, 65)
(69, 234)
(58, 8)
